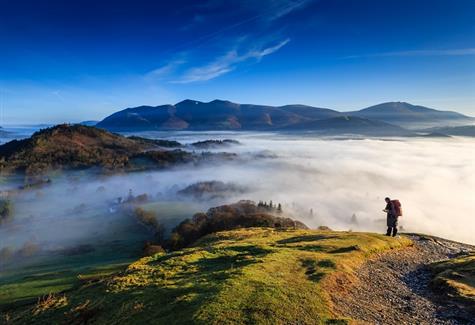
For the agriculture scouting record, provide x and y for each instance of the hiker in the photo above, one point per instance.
(392, 217)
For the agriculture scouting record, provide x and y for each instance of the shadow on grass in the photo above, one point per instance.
(305, 238)
(168, 256)
(345, 249)
(310, 248)
(247, 255)
(250, 250)
(315, 270)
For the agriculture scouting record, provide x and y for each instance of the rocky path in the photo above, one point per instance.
(393, 287)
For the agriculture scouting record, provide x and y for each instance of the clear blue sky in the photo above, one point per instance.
(79, 60)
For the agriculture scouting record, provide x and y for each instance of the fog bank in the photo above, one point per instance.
(318, 181)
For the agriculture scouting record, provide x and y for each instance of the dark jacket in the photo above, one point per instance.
(391, 215)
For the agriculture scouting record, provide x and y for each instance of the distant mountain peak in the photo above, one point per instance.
(409, 115)
(221, 114)
(218, 101)
(188, 102)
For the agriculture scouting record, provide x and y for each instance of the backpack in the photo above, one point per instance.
(397, 207)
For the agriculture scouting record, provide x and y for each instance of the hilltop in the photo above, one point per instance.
(408, 115)
(256, 275)
(265, 276)
(226, 115)
(78, 147)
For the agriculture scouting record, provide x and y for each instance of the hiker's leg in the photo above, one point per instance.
(394, 231)
(395, 226)
(388, 232)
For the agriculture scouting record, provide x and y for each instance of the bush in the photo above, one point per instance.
(152, 249)
(142, 198)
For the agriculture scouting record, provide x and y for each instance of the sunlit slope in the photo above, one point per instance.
(256, 275)
(66, 146)
(456, 279)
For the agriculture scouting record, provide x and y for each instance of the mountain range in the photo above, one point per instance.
(392, 118)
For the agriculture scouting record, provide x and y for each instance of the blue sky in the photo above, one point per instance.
(67, 61)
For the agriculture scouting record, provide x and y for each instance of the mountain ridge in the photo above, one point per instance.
(408, 114)
(225, 115)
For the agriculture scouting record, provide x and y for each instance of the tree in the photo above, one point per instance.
(175, 241)
(279, 208)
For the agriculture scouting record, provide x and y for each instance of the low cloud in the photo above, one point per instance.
(317, 181)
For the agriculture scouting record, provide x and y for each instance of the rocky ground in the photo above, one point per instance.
(393, 288)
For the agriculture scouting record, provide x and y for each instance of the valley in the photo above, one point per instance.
(116, 222)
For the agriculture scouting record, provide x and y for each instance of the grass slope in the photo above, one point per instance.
(245, 276)
(456, 279)
(119, 243)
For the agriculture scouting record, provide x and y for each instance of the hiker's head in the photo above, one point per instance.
(387, 200)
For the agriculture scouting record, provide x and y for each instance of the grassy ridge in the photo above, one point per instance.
(256, 275)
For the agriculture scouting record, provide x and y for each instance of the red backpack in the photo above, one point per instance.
(397, 207)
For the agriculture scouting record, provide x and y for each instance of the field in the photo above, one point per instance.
(256, 275)
(118, 243)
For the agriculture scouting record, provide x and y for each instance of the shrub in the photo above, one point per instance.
(152, 249)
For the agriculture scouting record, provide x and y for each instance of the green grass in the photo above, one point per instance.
(456, 279)
(20, 286)
(118, 243)
(245, 276)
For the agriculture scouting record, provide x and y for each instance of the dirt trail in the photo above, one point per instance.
(394, 288)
